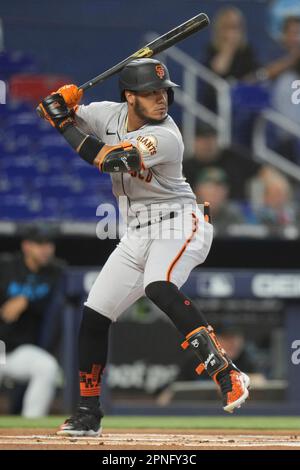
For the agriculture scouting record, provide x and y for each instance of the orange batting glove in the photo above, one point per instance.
(71, 94)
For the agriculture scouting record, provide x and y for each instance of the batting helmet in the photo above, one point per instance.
(146, 75)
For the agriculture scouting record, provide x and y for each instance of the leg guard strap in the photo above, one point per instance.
(208, 349)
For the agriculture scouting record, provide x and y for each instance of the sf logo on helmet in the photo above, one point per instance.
(160, 71)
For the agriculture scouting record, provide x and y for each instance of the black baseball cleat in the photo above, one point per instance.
(84, 422)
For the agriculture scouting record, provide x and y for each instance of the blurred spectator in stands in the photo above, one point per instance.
(212, 186)
(243, 354)
(290, 55)
(279, 10)
(277, 208)
(285, 71)
(235, 161)
(229, 54)
(30, 289)
(206, 152)
(281, 73)
(289, 71)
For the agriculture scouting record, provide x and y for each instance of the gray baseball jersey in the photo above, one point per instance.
(140, 259)
(161, 146)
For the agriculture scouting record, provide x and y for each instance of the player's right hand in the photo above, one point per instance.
(71, 94)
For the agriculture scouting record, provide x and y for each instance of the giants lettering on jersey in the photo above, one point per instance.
(147, 144)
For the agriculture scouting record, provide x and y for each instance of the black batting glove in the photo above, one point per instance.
(53, 108)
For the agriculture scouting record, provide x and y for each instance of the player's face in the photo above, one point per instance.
(151, 106)
(40, 253)
(291, 37)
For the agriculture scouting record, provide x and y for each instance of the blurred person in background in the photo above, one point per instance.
(29, 281)
(212, 186)
(289, 49)
(278, 11)
(277, 208)
(206, 153)
(229, 54)
(235, 161)
(241, 352)
(285, 71)
(279, 75)
(289, 71)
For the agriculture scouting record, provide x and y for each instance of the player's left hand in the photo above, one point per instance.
(71, 94)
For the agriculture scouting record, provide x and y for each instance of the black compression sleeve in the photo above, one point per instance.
(73, 136)
(90, 147)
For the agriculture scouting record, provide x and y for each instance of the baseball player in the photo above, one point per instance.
(166, 235)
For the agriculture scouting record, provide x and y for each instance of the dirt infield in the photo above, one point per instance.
(151, 439)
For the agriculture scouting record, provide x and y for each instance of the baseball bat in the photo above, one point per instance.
(156, 46)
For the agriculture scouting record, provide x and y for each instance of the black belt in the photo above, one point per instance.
(159, 219)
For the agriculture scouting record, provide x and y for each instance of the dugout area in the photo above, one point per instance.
(157, 433)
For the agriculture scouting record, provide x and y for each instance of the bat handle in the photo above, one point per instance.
(86, 85)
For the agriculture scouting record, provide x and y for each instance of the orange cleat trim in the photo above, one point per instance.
(237, 387)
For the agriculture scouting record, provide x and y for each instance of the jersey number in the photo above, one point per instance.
(147, 178)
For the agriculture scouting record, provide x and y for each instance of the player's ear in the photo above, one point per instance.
(129, 95)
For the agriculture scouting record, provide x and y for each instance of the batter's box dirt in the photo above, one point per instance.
(125, 439)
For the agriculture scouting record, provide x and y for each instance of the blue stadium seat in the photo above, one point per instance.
(15, 108)
(83, 208)
(28, 173)
(49, 139)
(15, 213)
(12, 206)
(4, 112)
(16, 146)
(247, 102)
(16, 62)
(50, 166)
(41, 175)
(28, 129)
(7, 190)
(17, 158)
(53, 151)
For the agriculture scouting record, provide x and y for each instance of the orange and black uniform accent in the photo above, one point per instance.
(90, 382)
(207, 347)
(141, 176)
(207, 216)
(93, 347)
(122, 158)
